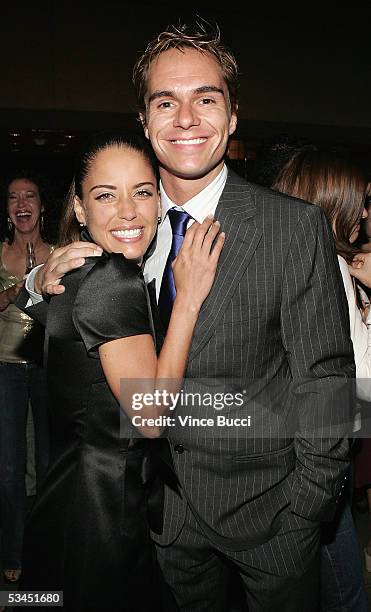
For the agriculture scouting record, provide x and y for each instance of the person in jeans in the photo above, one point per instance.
(22, 377)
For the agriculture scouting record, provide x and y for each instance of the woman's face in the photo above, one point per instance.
(367, 225)
(120, 203)
(355, 231)
(24, 205)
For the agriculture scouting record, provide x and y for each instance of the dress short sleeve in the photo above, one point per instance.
(111, 303)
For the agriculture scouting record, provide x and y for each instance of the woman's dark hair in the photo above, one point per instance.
(69, 227)
(334, 183)
(50, 217)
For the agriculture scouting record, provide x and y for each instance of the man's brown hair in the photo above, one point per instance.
(199, 35)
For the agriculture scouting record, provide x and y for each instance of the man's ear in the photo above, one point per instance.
(233, 122)
(142, 117)
(79, 210)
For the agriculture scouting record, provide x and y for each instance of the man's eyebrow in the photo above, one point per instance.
(167, 93)
(209, 89)
(160, 94)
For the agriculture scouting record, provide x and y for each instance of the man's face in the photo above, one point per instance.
(188, 118)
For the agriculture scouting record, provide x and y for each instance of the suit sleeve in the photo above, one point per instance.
(37, 311)
(315, 324)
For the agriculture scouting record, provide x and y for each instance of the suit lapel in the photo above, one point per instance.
(236, 211)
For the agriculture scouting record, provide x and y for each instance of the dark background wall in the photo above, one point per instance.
(307, 65)
(66, 69)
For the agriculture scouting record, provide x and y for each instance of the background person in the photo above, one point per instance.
(362, 463)
(22, 378)
(339, 187)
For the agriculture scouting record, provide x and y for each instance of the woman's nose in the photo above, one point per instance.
(126, 209)
(21, 197)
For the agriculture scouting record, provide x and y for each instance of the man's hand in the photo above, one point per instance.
(360, 268)
(61, 261)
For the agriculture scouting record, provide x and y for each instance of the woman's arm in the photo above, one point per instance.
(8, 295)
(362, 357)
(360, 325)
(134, 359)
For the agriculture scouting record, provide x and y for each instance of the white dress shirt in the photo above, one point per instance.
(35, 298)
(201, 205)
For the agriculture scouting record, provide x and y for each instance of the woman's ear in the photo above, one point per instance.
(79, 210)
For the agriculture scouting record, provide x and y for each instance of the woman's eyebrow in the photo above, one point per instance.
(144, 183)
(104, 187)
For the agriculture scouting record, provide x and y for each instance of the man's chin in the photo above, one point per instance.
(187, 173)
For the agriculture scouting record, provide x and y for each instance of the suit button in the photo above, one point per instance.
(179, 448)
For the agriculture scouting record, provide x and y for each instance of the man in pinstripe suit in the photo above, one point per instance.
(274, 331)
(274, 326)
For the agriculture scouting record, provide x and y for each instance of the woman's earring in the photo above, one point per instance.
(41, 223)
(159, 220)
(81, 224)
(10, 224)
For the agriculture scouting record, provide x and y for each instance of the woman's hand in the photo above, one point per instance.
(360, 268)
(365, 312)
(61, 261)
(195, 266)
(8, 295)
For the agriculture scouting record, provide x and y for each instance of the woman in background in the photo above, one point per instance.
(360, 269)
(21, 374)
(339, 187)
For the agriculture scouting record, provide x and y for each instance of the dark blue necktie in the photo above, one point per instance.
(178, 220)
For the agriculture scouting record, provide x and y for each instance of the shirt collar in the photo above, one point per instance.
(202, 203)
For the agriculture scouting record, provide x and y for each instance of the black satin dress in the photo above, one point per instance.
(88, 532)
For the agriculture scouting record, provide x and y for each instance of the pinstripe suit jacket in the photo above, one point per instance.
(275, 328)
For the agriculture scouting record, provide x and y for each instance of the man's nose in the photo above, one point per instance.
(186, 116)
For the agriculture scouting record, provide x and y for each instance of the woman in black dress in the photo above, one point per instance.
(88, 533)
